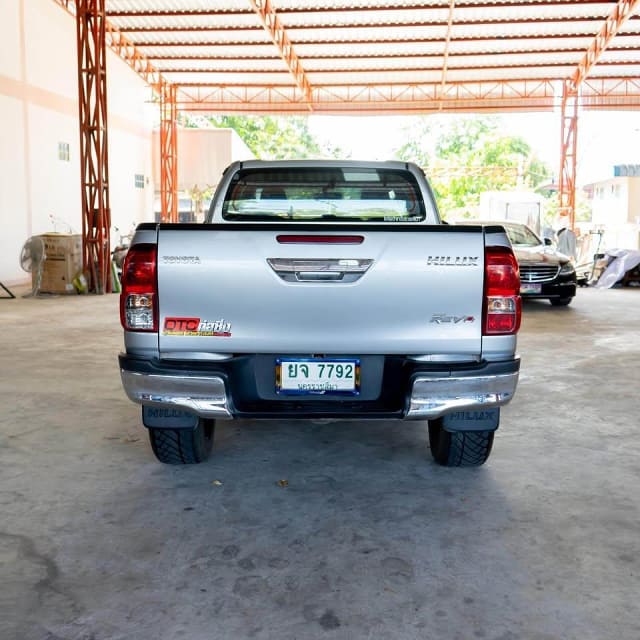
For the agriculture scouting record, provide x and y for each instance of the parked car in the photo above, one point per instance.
(544, 271)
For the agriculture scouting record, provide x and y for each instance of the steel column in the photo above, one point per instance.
(168, 153)
(94, 165)
(570, 92)
(568, 152)
(445, 55)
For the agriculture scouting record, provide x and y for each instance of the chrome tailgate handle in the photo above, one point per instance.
(320, 269)
(315, 276)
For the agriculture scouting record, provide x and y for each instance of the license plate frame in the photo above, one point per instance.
(530, 287)
(315, 384)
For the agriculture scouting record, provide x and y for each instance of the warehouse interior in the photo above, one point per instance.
(150, 62)
(298, 529)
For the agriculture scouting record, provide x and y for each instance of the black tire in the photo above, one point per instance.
(183, 446)
(459, 449)
(560, 302)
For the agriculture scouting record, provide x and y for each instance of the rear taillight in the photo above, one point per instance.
(139, 297)
(502, 302)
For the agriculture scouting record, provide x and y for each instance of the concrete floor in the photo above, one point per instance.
(370, 539)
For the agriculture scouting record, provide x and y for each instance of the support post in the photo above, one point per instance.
(568, 152)
(168, 153)
(94, 165)
(620, 13)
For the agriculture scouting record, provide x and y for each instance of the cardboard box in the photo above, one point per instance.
(63, 262)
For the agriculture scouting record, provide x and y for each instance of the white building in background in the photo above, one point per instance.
(615, 207)
(526, 207)
(203, 154)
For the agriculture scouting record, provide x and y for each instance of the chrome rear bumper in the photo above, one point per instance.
(434, 397)
(204, 396)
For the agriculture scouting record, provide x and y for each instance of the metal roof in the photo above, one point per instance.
(374, 56)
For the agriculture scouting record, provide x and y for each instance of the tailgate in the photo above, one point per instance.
(234, 288)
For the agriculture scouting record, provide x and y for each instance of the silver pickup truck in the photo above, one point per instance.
(320, 289)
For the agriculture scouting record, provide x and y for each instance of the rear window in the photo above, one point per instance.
(303, 194)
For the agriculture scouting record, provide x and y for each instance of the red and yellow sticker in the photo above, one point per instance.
(178, 326)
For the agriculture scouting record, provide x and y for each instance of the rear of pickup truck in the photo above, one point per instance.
(320, 290)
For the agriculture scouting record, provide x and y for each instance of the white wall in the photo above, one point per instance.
(616, 210)
(39, 109)
(14, 223)
(131, 114)
(634, 201)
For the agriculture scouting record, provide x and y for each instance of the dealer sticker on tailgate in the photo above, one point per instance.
(318, 375)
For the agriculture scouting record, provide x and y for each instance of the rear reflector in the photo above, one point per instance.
(139, 299)
(502, 302)
(320, 239)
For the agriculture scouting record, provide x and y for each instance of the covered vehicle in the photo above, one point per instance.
(544, 272)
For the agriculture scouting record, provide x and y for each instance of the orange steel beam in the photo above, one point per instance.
(472, 22)
(132, 55)
(597, 87)
(610, 93)
(447, 42)
(620, 14)
(168, 154)
(247, 44)
(372, 98)
(372, 7)
(274, 28)
(512, 95)
(359, 56)
(279, 78)
(570, 99)
(94, 165)
(382, 23)
(568, 152)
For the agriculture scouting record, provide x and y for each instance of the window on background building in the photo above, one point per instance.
(63, 151)
(139, 181)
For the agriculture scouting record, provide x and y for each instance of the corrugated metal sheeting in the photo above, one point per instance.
(373, 56)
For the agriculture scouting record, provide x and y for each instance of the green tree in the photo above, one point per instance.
(273, 137)
(552, 208)
(466, 156)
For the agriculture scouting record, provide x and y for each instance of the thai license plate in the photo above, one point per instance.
(318, 376)
(530, 287)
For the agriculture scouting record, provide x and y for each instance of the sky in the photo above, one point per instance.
(605, 138)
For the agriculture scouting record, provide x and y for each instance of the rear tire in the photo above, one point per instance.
(560, 302)
(183, 446)
(459, 448)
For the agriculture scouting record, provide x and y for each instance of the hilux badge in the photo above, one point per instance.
(452, 261)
